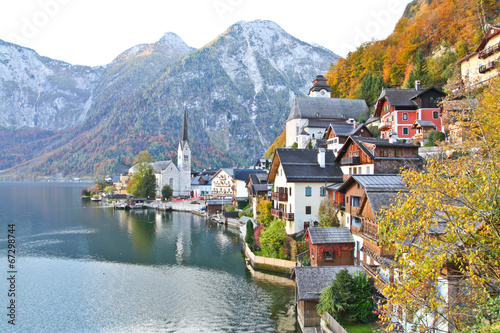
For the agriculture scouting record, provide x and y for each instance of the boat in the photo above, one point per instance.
(96, 198)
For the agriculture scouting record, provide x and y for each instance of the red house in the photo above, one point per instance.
(330, 246)
(398, 109)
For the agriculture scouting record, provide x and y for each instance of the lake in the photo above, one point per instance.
(83, 267)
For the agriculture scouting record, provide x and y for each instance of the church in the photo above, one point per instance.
(177, 177)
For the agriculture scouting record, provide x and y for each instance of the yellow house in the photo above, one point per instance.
(121, 185)
(481, 65)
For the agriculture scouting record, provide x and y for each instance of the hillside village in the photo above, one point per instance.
(329, 188)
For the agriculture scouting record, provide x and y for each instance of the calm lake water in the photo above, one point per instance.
(81, 267)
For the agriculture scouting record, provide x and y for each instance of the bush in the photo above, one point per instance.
(228, 208)
(249, 236)
(272, 240)
(433, 137)
(166, 192)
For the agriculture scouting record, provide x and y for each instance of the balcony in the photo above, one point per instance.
(277, 213)
(372, 271)
(384, 125)
(276, 196)
(488, 67)
(288, 216)
(353, 160)
(485, 53)
(373, 246)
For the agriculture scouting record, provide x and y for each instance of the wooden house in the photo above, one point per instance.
(309, 282)
(422, 129)
(365, 195)
(330, 246)
(366, 155)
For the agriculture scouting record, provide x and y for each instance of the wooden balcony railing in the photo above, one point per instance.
(288, 216)
(485, 53)
(488, 67)
(350, 160)
(372, 271)
(277, 213)
(276, 196)
(373, 246)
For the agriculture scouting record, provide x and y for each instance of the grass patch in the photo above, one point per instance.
(358, 328)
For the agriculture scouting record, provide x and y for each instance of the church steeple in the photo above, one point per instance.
(184, 127)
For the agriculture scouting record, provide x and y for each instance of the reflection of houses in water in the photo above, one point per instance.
(181, 232)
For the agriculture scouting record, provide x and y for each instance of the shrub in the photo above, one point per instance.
(249, 236)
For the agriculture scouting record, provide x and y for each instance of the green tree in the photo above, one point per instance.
(249, 236)
(309, 144)
(370, 88)
(143, 179)
(166, 192)
(294, 145)
(272, 240)
(419, 71)
(109, 190)
(327, 214)
(349, 298)
(228, 208)
(448, 224)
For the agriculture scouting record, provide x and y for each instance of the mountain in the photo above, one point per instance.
(237, 90)
(425, 45)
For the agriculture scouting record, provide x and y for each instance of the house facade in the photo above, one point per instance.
(398, 109)
(300, 177)
(258, 187)
(367, 155)
(481, 65)
(338, 132)
(223, 183)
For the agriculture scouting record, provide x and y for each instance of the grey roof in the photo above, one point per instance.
(341, 128)
(330, 235)
(301, 165)
(425, 123)
(219, 202)
(159, 166)
(317, 123)
(243, 174)
(196, 180)
(378, 200)
(400, 97)
(374, 183)
(312, 280)
(327, 108)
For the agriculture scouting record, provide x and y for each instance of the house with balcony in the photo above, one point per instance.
(258, 187)
(311, 115)
(330, 246)
(398, 109)
(223, 183)
(364, 197)
(338, 132)
(422, 129)
(481, 65)
(367, 155)
(300, 177)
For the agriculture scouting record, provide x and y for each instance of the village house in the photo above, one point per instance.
(422, 129)
(398, 109)
(120, 184)
(330, 246)
(338, 132)
(201, 185)
(223, 183)
(367, 155)
(455, 119)
(300, 177)
(311, 115)
(309, 282)
(258, 187)
(481, 65)
(240, 179)
(362, 197)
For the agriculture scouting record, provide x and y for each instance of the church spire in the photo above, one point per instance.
(184, 126)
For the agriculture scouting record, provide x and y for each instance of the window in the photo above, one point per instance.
(322, 191)
(392, 118)
(397, 153)
(405, 116)
(290, 190)
(346, 199)
(405, 130)
(383, 153)
(308, 191)
(355, 201)
(435, 114)
(308, 210)
(329, 255)
(171, 183)
(432, 99)
(368, 170)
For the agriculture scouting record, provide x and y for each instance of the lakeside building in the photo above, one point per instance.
(300, 177)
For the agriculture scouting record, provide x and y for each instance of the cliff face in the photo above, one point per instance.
(237, 90)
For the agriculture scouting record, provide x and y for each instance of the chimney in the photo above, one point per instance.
(417, 85)
(321, 157)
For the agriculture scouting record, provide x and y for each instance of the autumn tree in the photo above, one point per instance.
(446, 228)
(328, 214)
(264, 206)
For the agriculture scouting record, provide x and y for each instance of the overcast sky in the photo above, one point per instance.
(91, 32)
